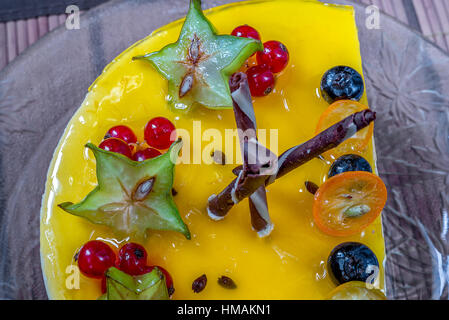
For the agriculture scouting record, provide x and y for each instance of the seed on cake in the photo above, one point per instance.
(199, 283)
(226, 282)
(311, 187)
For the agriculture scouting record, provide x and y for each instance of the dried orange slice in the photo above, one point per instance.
(356, 290)
(335, 113)
(347, 203)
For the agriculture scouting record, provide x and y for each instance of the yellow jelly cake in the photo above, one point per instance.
(290, 263)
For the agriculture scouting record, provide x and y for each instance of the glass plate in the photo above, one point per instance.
(407, 83)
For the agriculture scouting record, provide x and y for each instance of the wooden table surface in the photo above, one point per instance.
(430, 17)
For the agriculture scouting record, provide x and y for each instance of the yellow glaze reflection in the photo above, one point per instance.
(290, 263)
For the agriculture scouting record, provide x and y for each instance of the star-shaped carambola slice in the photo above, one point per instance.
(131, 196)
(198, 66)
(122, 286)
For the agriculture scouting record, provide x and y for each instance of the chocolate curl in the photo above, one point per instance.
(248, 181)
(256, 165)
(246, 123)
(259, 209)
(324, 141)
(260, 217)
(295, 157)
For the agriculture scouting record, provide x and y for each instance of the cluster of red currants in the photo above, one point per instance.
(96, 257)
(159, 134)
(273, 59)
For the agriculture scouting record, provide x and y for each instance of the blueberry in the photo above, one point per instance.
(352, 261)
(341, 83)
(349, 162)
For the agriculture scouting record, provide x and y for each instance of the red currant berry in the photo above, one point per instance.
(145, 154)
(168, 278)
(122, 132)
(160, 133)
(274, 55)
(116, 145)
(246, 31)
(132, 258)
(260, 80)
(94, 258)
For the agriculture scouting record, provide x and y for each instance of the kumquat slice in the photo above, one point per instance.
(347, 203)
(356, 290)
(337, 112)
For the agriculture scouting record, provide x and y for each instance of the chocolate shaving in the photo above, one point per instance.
(311, 187)
(227, 282)
(249, 180)
(199, 284)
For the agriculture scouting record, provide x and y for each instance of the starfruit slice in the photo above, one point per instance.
(198, 66)
(122, 286)
(131, 196)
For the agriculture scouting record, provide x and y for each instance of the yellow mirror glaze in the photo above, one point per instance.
(291, 262)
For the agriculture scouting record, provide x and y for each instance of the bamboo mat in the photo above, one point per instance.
(430, 17)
